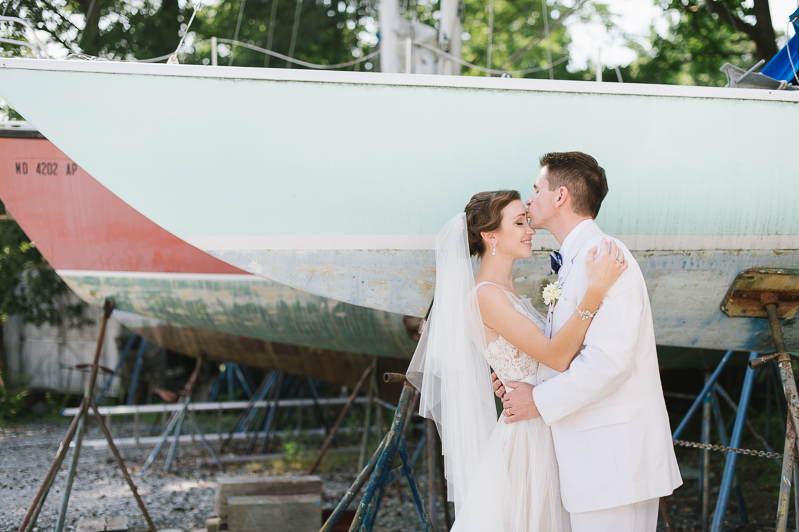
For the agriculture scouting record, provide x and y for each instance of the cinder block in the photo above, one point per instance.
(227, 487)
(287, 513)
(103, 524)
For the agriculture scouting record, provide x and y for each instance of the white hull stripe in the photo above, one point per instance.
(418, 80)
(236, 243)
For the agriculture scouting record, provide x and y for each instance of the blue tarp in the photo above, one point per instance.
(780, 65)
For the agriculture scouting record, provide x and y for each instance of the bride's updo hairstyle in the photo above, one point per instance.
(484, 214)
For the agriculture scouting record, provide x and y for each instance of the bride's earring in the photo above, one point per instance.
(494, 252)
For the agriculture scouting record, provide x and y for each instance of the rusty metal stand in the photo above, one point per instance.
(333, 430)
(379, 474)
(770, 303)
(76, 430)
(772, 293)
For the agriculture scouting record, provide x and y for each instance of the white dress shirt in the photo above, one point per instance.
(564, 247)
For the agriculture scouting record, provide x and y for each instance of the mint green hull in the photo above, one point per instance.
(336, 183)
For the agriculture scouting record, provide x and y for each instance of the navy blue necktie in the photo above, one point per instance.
(555, 261)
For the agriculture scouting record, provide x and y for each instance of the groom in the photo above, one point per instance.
(607, 413)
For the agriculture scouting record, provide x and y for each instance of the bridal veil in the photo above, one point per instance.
(449, 368)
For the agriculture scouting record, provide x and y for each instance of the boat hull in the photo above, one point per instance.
(337, 367)
(340, 189)
(102, 248)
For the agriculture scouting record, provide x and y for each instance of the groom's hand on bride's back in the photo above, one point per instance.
(499, 389)
(518, 403)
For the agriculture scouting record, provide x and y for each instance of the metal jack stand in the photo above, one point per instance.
(379, 473)
(176, 423)
(772, 294)
(708, 399)
(78, 426)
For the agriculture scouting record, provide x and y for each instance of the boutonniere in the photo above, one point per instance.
(551, 294)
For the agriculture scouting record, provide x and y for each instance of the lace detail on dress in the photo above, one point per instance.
(510, 363)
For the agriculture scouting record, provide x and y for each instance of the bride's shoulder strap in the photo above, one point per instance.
(508, 294)
(478, 285)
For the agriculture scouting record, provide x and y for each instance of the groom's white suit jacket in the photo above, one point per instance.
(607, 412)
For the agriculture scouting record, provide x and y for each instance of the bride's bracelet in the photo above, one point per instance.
(586, 315)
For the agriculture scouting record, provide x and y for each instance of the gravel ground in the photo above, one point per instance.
(182, 499)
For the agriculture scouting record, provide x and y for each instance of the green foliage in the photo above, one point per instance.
(12, 399)
(296, 447)
(702, 36)
(29, 287)
(326, 32)
(518, 39)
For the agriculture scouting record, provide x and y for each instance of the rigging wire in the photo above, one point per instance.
(186, 32)
(271, 32)
(370, 56)
(788, 49)
(546, 32)
(491, 71)
(518, 55)
(490, 37)
(273, 54)
(236, 33)
(294, 30)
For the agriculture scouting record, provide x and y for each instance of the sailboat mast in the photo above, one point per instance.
(388, 20)
(449, 36)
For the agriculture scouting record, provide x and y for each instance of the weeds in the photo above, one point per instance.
(12, 398)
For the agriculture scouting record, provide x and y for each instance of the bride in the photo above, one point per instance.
(502, 477)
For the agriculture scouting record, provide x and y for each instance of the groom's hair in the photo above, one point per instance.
(582, 175)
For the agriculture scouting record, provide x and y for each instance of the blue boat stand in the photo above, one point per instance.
(708, 398)
(175, 424)
(379, 474)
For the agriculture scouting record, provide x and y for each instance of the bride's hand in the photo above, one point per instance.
(604, 266)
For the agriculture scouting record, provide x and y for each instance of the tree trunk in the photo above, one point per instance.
(761, 33)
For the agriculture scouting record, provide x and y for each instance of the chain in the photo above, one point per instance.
(751, 452)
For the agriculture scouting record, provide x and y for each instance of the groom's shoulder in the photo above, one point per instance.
(596, 238)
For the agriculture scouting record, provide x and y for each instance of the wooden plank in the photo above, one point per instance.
(259, 486)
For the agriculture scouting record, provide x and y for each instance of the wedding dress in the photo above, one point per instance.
(502, 477)
(516, 487)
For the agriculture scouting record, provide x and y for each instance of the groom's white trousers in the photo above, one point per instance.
(639, 517)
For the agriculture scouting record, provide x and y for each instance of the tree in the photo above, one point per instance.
(326, 32)
(702, 36)
(316, 31)
(29, 287)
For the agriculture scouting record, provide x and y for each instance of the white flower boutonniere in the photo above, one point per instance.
(552, 293)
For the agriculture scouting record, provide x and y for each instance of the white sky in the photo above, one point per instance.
(635, 17)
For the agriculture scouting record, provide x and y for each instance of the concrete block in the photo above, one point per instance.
(103, 524)
(287, 513)
(246, 486)
(213, 524)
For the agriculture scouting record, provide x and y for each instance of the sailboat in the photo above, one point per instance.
(335, 183)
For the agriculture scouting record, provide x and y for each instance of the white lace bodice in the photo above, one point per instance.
(510, 363)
